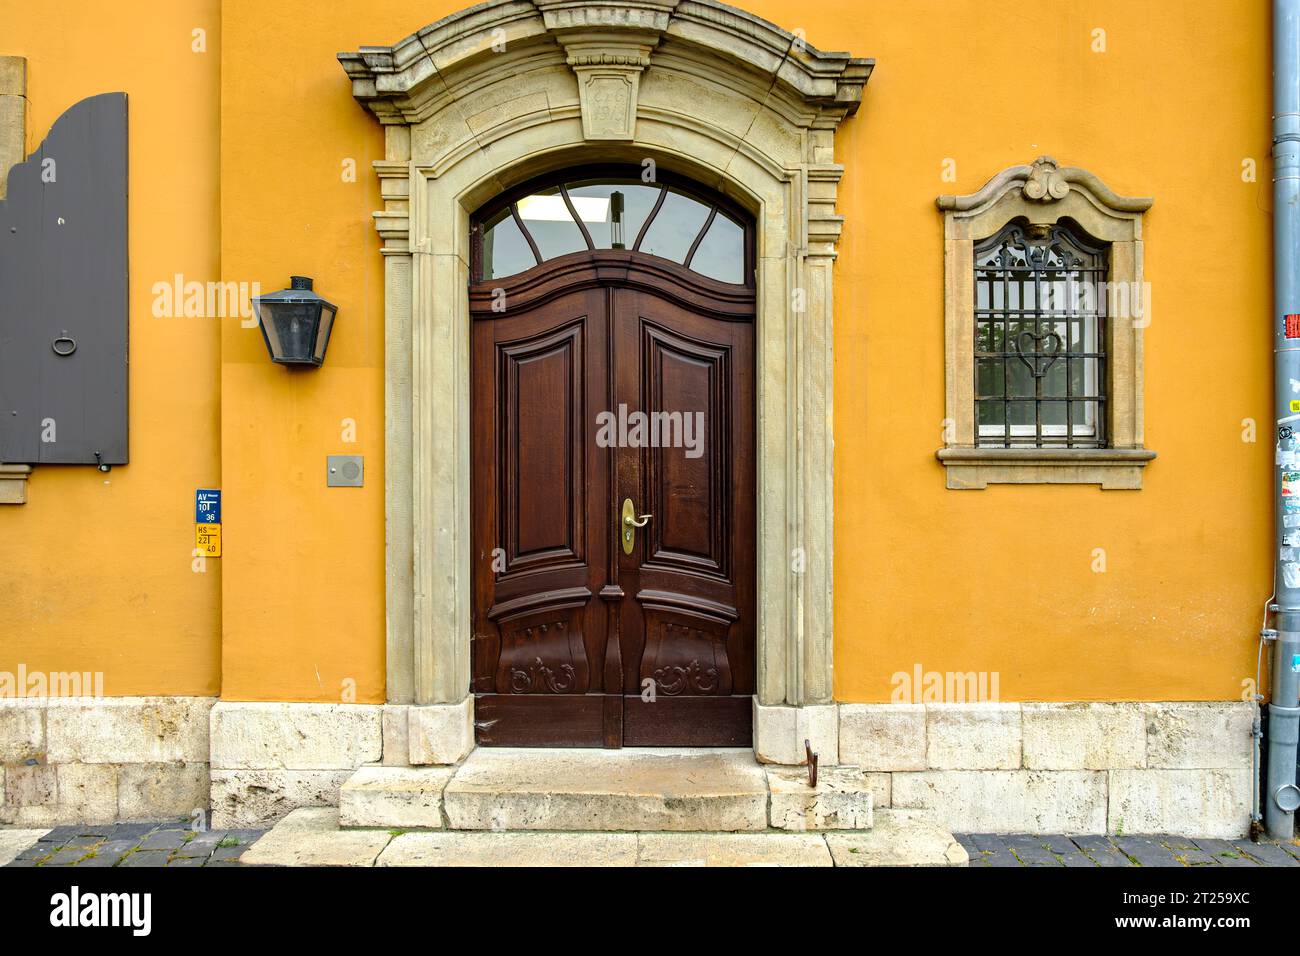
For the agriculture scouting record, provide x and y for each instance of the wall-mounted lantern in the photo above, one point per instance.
(296, 323)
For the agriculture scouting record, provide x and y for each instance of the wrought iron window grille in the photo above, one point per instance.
(1040, 338)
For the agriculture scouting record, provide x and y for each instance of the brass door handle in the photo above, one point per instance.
(630, 524)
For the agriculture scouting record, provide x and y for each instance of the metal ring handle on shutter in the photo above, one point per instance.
(67, 349)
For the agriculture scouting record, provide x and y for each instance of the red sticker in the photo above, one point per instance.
(1293, 326)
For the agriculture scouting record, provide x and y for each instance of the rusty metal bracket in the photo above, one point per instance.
(812, 763)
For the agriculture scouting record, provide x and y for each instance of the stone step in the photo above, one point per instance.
(499, 788)
(407, 798)
(312, 837)
(842, 799)
(534, 848)
(900, 837)
(607, 790)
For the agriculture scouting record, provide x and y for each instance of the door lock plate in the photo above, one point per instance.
(629, 524)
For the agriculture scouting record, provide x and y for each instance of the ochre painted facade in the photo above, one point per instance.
(241, 160)
(95, 569)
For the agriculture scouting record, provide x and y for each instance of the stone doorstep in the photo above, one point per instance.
(311, 837)
(599, 790)
(842, 800)
(394, 797)
(508, 789)
(14, 841)
(899, 838)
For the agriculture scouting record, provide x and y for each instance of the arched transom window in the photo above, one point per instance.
(587, 211)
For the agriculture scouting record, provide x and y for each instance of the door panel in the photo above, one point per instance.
(575, 642)
(688, 484)
(690, 624)
(540, 409)
(538, 480)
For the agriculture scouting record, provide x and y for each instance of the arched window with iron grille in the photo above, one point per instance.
(1040, 338)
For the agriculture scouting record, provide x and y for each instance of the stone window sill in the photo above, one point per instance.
(977, 468)
(13, 484)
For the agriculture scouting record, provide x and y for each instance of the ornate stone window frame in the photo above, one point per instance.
(1043, 193)
(510, 89)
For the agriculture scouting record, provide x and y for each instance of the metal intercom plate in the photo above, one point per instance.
(345, 471)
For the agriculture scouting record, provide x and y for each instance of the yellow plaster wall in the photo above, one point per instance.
(95, 570)
(1000, 580)
(303, 600)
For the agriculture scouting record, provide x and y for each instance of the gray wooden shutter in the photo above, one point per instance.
(63, 276)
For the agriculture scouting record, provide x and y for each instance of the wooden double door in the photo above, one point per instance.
(605, 382)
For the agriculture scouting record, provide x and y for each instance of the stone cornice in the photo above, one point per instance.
(396, 81)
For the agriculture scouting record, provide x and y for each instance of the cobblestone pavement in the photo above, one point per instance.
(1006, 849)
(137, 844)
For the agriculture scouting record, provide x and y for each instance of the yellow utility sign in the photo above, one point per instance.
(207, 539)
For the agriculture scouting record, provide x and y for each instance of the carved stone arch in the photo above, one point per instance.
(509, 89)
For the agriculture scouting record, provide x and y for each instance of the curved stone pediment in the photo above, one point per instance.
(605, 43)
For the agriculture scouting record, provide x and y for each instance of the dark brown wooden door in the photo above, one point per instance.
(577, 643)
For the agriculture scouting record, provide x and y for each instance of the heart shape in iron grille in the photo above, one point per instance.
(1047, 348)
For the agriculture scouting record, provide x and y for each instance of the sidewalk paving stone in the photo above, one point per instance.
(1032, 850)
(1058, 843)
(1224, 853)
(164, 840)
(1267, 853)
(1146, 851)
(136, 844)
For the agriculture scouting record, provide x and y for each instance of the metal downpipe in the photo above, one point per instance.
(1280, 796)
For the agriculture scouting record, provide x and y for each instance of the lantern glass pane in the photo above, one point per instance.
(270, 329)
(295, 323)
(323, 337)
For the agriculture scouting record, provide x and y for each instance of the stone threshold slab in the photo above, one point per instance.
(671, 790)
(608, 790)
(570, 849)
(311, 837)
(13, 841)
(394, 797)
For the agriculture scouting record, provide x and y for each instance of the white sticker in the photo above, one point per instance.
(1291, 575)
(1291, 521)
(1286, 554)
